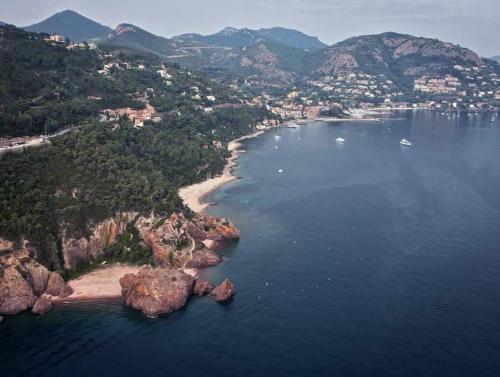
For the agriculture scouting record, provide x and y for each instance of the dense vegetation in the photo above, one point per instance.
(101, 168)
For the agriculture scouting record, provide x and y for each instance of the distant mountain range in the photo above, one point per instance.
(236, 38)
(72, 25)
(496, 58)
(281, 56)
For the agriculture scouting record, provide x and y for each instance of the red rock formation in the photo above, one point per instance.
(42, 305)
(202, 287)
(223, 292)
(203, 258)
(156, 291)
(16, 295)
(78, 252)
(176, 241)
(57, 287)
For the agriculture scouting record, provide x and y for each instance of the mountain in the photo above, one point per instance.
(237, 38)
(133, 37)
(2, 23)
(72, 25)
(397, 57)
(268, 61)
(392, 52)
(496, 58)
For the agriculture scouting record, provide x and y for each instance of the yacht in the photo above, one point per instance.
(339, 140)
(280, 171)
(405, 142)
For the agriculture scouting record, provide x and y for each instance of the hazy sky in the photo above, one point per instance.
(471, 23)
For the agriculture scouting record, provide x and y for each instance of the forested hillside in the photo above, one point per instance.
(104, 167)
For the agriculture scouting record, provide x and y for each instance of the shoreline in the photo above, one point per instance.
(103, 283)
(193, 195)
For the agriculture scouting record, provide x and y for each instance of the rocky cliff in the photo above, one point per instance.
(23, 282)
(77, 252)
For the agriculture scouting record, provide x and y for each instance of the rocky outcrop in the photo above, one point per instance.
(223, 292)
(177, 241)
(57, 287)
(202, 287)
(203, 258)
(79, 251)
(42, 305)
(16, 295)
(37, 276)
(157, 291)
(23, 281)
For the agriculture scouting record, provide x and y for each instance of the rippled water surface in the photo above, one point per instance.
(361, 259)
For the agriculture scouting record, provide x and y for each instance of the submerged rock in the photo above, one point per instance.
(202, 287)
(57, 287)
(156, 291)
(42, 305)
(16, 295)
(223, 292)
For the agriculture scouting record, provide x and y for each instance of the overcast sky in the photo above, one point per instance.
(471, 23)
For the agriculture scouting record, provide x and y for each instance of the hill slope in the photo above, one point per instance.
(72, 25)
(133, 37)
(392, 54)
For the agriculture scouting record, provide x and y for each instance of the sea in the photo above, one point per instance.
(361, 258)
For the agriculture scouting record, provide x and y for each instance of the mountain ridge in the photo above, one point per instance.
(237, 38)
(71, 25)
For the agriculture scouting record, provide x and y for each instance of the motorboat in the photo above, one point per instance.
(405, 142)
(339, 140)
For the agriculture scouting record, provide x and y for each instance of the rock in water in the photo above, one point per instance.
(156, 291)
(202, 287)
(42, 305)
(224, 292)
(57, 287)
(1, 319)
(16, 295)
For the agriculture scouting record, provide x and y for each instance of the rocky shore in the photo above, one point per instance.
(178, 252)
(181, 245)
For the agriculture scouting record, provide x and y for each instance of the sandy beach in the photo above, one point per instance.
(193, 195)
(101, 283)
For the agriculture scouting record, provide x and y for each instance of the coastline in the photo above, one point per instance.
(193, 195)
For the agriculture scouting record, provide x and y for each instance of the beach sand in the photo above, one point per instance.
(101, 283)
(193, 195)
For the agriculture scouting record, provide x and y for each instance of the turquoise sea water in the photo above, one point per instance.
(360, 259)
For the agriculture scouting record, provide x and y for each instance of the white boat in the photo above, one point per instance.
(339, 140)
(277, 137)
(280, 171)
(276, 147)
(405, 142)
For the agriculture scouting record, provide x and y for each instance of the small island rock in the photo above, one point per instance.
(156, 291)
(223, 292)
